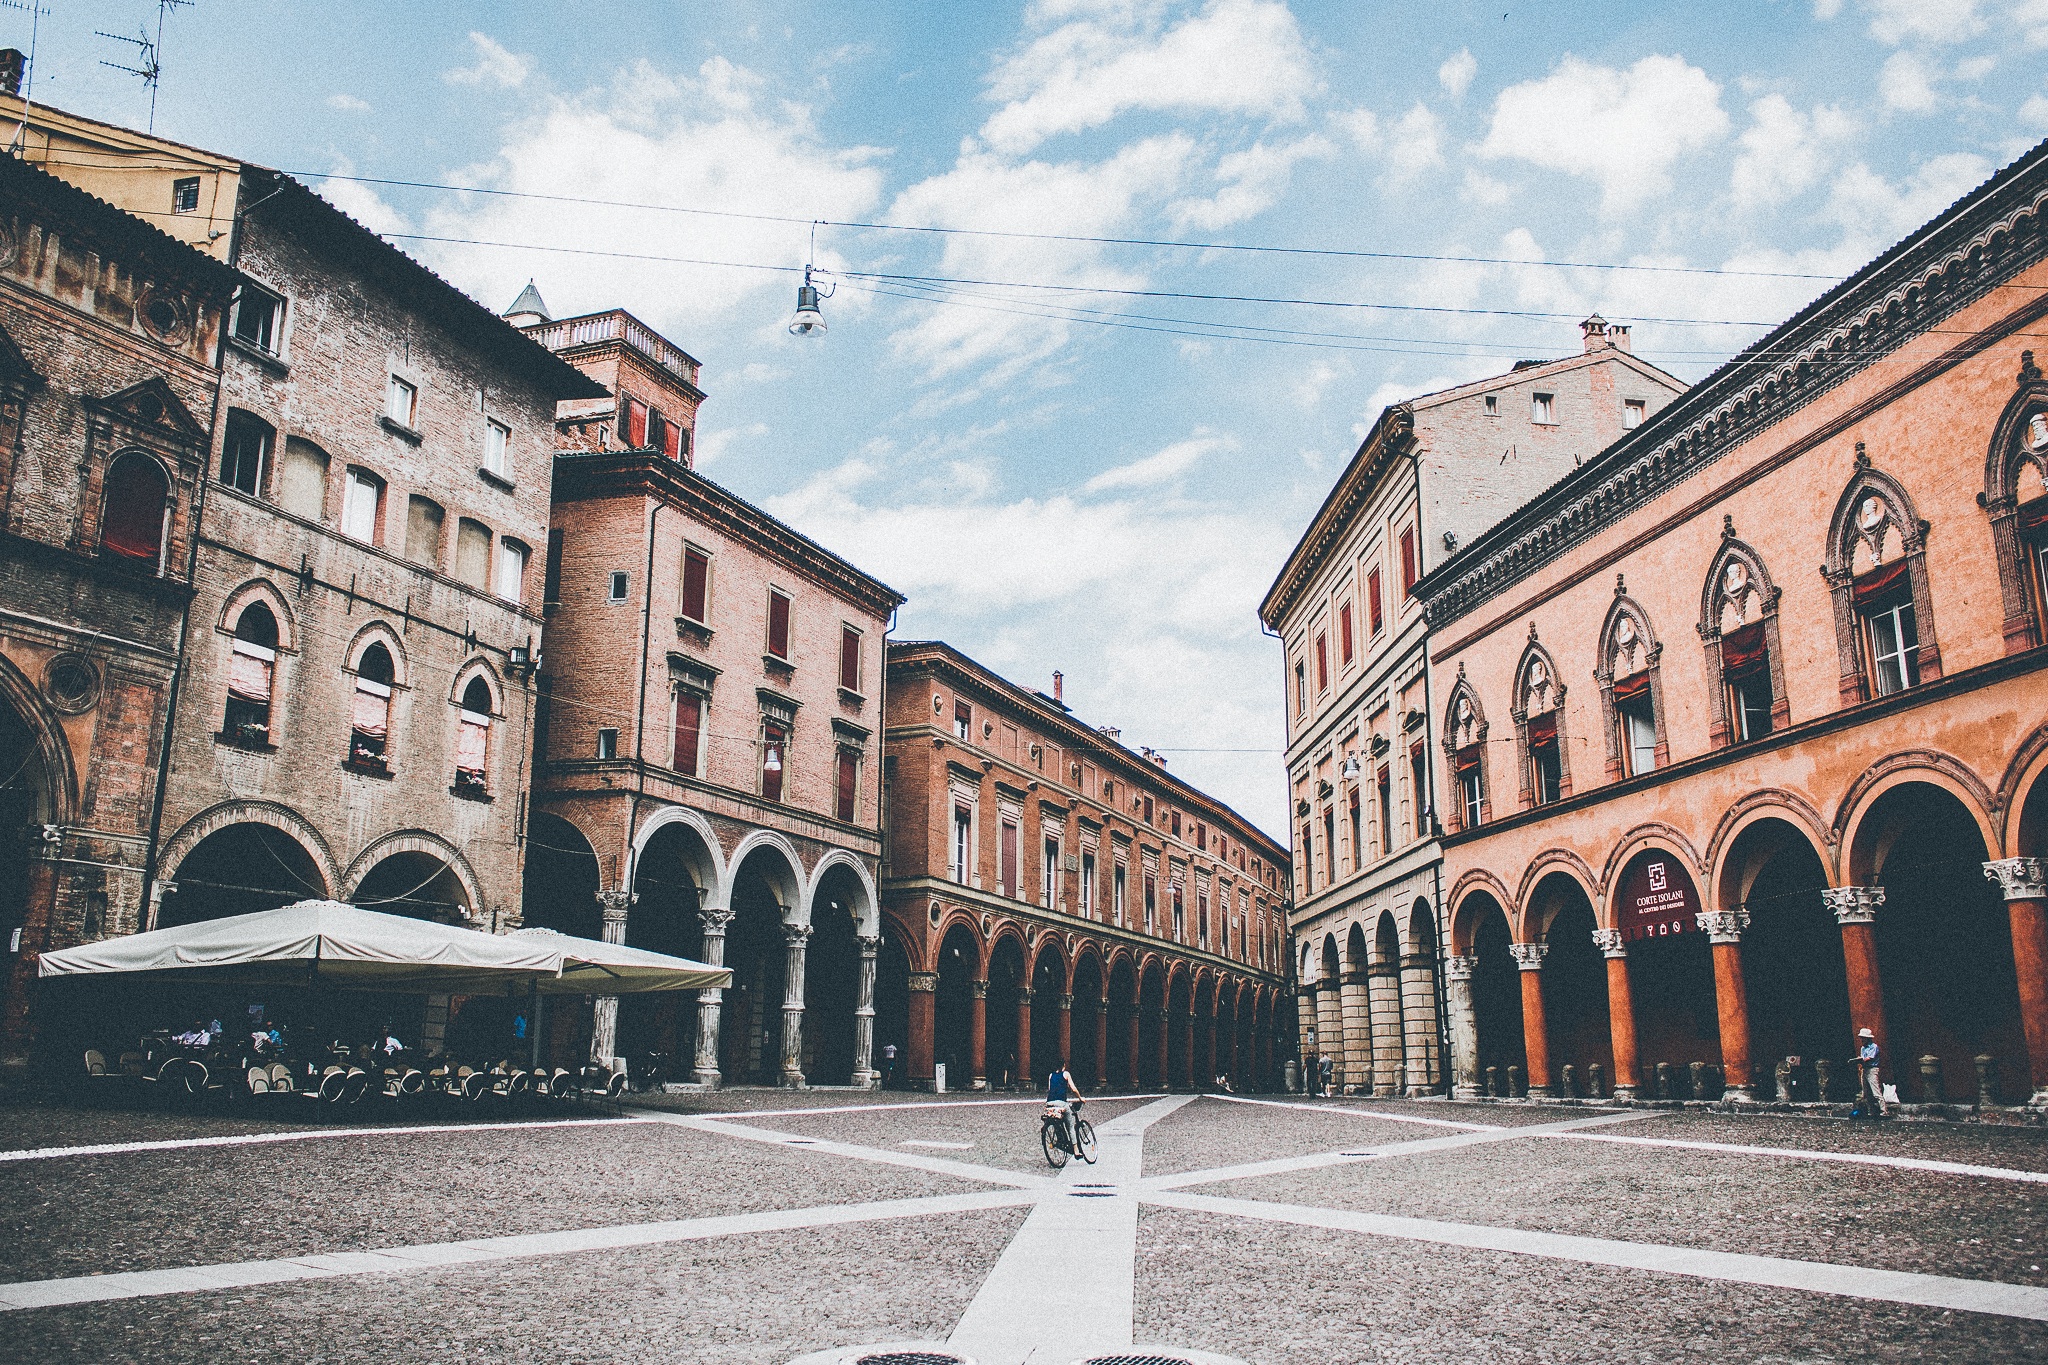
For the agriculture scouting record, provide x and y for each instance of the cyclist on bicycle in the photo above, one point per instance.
(1061, 1090)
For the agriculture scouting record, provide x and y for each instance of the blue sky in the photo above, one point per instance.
(1111, 501)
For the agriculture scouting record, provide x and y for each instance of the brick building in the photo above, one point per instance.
(1433, 473)
(706, 781)
(1746, 719)
(1049, 894)
(109, 331)
(355, 704)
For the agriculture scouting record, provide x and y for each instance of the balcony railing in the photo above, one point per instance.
(617, 325)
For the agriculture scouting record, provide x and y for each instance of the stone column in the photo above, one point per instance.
(977, 1035)
(1187, 1044)
(1065, 1002)
(1383, 990)
(864, 1073)
(920, 1045)
(1330, 1029)
(1306, 1021)
(2024, 883)
(1354, 1044)
(1226, 1065)
(1464, 1027)
(1101, 1009)
(711, 1002)
(1535, 1037)
(1621, 1012)
(1724, 930)
(1418, 1022)
(1211, 1027)
(1855, 909)
(1025, 1075)
(1131, 1046)
(793, 939)
(604, 1024)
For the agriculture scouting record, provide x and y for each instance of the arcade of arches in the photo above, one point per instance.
(1371, 1004)
(1748, 973)
(999, 1003)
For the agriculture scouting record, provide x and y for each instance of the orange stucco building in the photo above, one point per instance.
(1745, 723)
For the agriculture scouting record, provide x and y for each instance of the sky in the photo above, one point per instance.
(1061, 458)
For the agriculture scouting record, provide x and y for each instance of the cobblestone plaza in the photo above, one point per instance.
(1276, 1231)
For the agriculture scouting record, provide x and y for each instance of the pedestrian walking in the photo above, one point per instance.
(1329, 1072)
(889, 1066)
(1311, 1073)
(1869, 1084)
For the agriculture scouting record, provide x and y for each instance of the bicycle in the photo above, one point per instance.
(1054, 1137)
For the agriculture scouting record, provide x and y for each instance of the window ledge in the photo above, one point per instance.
(778, 665)
(689, 629)
(470, 793)
(493, 477)
(377, 770)
(400, 430)
(851, 698)
(228, 740)
(275, 364)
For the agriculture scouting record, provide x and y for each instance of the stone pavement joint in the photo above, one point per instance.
(937, 1165)
(1906, 1163)
(297, 1135)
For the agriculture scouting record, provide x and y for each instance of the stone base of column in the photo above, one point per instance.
(1624, 1094)
(709, 1077)
(1542, 1092)
(1738, 1094)
(2039, 1100)
(867, 1080)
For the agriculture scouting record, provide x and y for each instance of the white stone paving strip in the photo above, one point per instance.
(1067, 1283)
(1908, 1163)
(436, 1255)
(305, 1135)
(1817, 1277)
(938, 1165)
(1357, 1112)
(742, 1115)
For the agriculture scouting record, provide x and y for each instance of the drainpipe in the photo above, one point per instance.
(1436, 975)
(630, 864)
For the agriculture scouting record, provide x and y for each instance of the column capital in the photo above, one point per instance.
(1723, 926)
(795, 934)
(1066, 1000)
(615, 903)
(2019, 879)
(1610, 943)
(870, 944)
(1025, 995)
(1853, 904)
(1459, 968)
(1529, 956)
(978, 989)
(926, 982)
(714, 918)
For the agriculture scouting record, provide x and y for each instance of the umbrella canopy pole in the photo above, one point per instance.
(533, 1021)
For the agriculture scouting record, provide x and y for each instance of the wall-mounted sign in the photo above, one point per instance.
(1658, 898)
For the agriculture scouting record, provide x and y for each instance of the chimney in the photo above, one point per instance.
(1617, 336)
(1595, 328)
(1110, 733)
(12, 65)
(1058, 681)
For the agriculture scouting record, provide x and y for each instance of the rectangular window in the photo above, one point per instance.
(472, 553)
(1322, 664)
(1049, 873)
(1201, 836)
(657, 430)
(1468, 785)
(1637, 715)
(1344, 644)
(1493, 405)
(607, 743)
(1151, 901)
(251, 671)
(1374, 608)
(1632, 410)
(615, 586)
(302, 479)
(774, 755)
(1180, 915)
(472, 750)
(510, 580)
(1329, 844)
(1543, 408)
(1173, 822)
(849, 658)
(778, 624)
(1007, 854)
(1300, 688)
(1148, 810)
(689, 732)
(672, 441)
(1087, 884)
(1418, 787)
(1202, 917)
(633, 429)
(423, 521)
(359, 506)
(498, 449)
(256, 317)
(1359, 857)
(551, 576)
(1119, 892)
(696, 584)
(1383, 784)
(1410, 569)
(1894, 645)
(962, 868)
(401, 401)
(963, 720)
(369, 723)
(848, 788)
(1746, 673)
(1546, 772)
(1308, 858)
(244, 451)
(185, 194)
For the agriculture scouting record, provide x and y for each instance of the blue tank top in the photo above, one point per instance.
(1056, 1087)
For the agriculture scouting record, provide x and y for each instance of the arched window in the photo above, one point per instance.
(1739, 627)
(138, 509)
(1877, 575)
(245, 451)
(369, 722)
(2016, 501)
(252, 669)
(1464, 735)
(1631, 689)
(473, 738)
(1538, 712)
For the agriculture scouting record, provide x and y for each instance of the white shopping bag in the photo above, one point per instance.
(1891, 1094)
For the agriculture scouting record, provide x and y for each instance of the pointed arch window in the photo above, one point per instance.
(1739, 629)
(1539, 722)
(369, 721)
(1464, 740)
(2015, 499)
(1877, 576)
(138, 510)
(1630, 678)
(252, 669)
(473, 739)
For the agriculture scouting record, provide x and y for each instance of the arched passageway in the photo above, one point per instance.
(1670, 973)
(245, 868)
(1798, 992)
(1384, 1009)
(757, 947)
(1152, 1027)
(1496, 994)
(1087, 1024)
(832, 979)
(1180, 1014)
(1048, 1020)
(959, 971)
(1574, 985)
(892, 1009)
(1334, 1039)
(1009, 1064)
(1125, 1038)
(416, 883)
(663, 919)
(560, 893)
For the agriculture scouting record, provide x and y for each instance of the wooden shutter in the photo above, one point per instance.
(696, 582)
(778, 625)
(689, 727)
(849, 770)
(849, 658)
(1372, 584)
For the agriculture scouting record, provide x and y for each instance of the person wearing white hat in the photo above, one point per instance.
(1869, 1086)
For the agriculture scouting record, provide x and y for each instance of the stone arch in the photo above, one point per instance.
(1357, 949)
(1649, 834)
(2022, 775)
(52, 746)
(379, 633)
(477, 666)
(2019, 441)
(422, 842)
(780, 867)
(1770, 803)
(1464, 741)
(1421, 933)
(1927, 766)
(1628, 668)
(958, 919)
(1550, 880)
(1008, 931)
(1537, 708)
(1875, 514)
(706, 857)
(282, 818)
(264, 591)
(1467, 907)
(1542, 865)
(1738, 588)
(869, 913)
(1049, 949)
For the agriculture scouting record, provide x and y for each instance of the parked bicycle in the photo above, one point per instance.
(1063, 1133)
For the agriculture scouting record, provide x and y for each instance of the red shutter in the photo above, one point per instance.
(1408, 573)
(848, 769)
(672, 441)
(635, 433)
(1880, 581)
(1009, 865)
(849, 659)
(778, 625)
(1742, 650)
(1372, 583)
(1344, 633)
(689, 725)
(1543, 729)
(696, 583)
(1322, 663)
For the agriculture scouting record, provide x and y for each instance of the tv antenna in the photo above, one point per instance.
(35, 12)
(149, 64)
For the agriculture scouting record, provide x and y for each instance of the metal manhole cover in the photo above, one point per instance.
(1091, 1194)
(908, 1358)
(1137, 1360)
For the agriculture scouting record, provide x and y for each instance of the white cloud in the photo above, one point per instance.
(1238, 56)
(1623, 129)
(2031, 18)
(1927, 21)
(1414, 144)
(712, 445)
(1362, 126)
(1480, 188)
(348, 103)
(1873, 211)
(1785, 151)
(1976, 68)
(1455, 75)
(1826, 9)
(494, 66)
(1907, 85)
(1251, 181)
(2034, 113)
(1315, 381)
(1163, 467)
